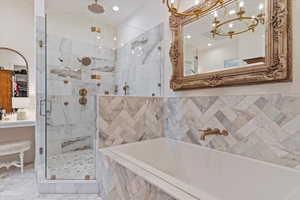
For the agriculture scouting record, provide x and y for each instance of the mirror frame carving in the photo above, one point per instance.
(278, 65)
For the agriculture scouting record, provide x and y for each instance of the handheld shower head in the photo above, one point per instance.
(96, 8)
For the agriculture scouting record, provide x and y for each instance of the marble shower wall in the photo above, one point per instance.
(264, 127)
(140, 64)
(71, 127)
(124, 120)
(66, 74)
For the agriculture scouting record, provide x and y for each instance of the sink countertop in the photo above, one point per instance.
(17, 123)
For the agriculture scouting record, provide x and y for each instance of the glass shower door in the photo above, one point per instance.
(71, 117)
(79, 67)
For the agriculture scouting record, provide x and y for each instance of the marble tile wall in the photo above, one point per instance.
(263, 127)
(71, 127)
(140, 64)
(124, 120)
(118, 182)
(63, 65)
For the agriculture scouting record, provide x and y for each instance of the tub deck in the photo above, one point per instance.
(206, 174)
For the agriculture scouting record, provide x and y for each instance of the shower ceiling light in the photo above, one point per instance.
(199, 8)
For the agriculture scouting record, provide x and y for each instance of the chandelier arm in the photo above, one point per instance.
(195, 12)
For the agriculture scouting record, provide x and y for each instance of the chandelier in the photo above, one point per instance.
(199, 7)
(248, 23)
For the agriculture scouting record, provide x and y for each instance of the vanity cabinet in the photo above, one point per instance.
(6, 90)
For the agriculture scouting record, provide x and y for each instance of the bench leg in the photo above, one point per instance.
(22, 161)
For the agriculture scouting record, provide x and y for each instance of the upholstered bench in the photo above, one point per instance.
(12, 148)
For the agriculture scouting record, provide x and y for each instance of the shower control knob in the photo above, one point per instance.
(83, 92)
(83, 101)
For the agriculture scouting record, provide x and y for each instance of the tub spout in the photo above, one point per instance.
(215, 131)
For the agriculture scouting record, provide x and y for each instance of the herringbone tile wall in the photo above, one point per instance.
(129, 119)
(264, 127)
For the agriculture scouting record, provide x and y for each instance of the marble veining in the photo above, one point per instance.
(70, 125)
(140, 64)
(118, 182)
(263, 127)
(71, 137)
(64, 64)
(129, 119)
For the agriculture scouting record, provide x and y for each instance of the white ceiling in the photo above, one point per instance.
(80, 8)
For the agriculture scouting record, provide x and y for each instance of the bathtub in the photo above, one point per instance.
(186, 171)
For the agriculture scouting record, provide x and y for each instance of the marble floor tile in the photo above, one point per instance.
(17, 186)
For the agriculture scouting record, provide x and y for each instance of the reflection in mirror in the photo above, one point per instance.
(13, 61)
(230, 37)
(13, 76)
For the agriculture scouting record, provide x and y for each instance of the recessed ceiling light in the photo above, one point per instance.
(188, 37)
(116, 8)
(115, 38)
(209, 44)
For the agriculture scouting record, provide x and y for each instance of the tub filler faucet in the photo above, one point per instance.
(215, 131)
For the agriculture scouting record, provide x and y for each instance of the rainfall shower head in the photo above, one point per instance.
(96, 8)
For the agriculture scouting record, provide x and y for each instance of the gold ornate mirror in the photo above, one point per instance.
(238, 42)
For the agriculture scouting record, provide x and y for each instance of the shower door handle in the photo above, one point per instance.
(49, 111)
(43, 107)
(42, 104)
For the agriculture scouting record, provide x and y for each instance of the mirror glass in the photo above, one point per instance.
(230, 37)
(13, 61)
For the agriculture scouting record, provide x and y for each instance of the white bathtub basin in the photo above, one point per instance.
(206, 174)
